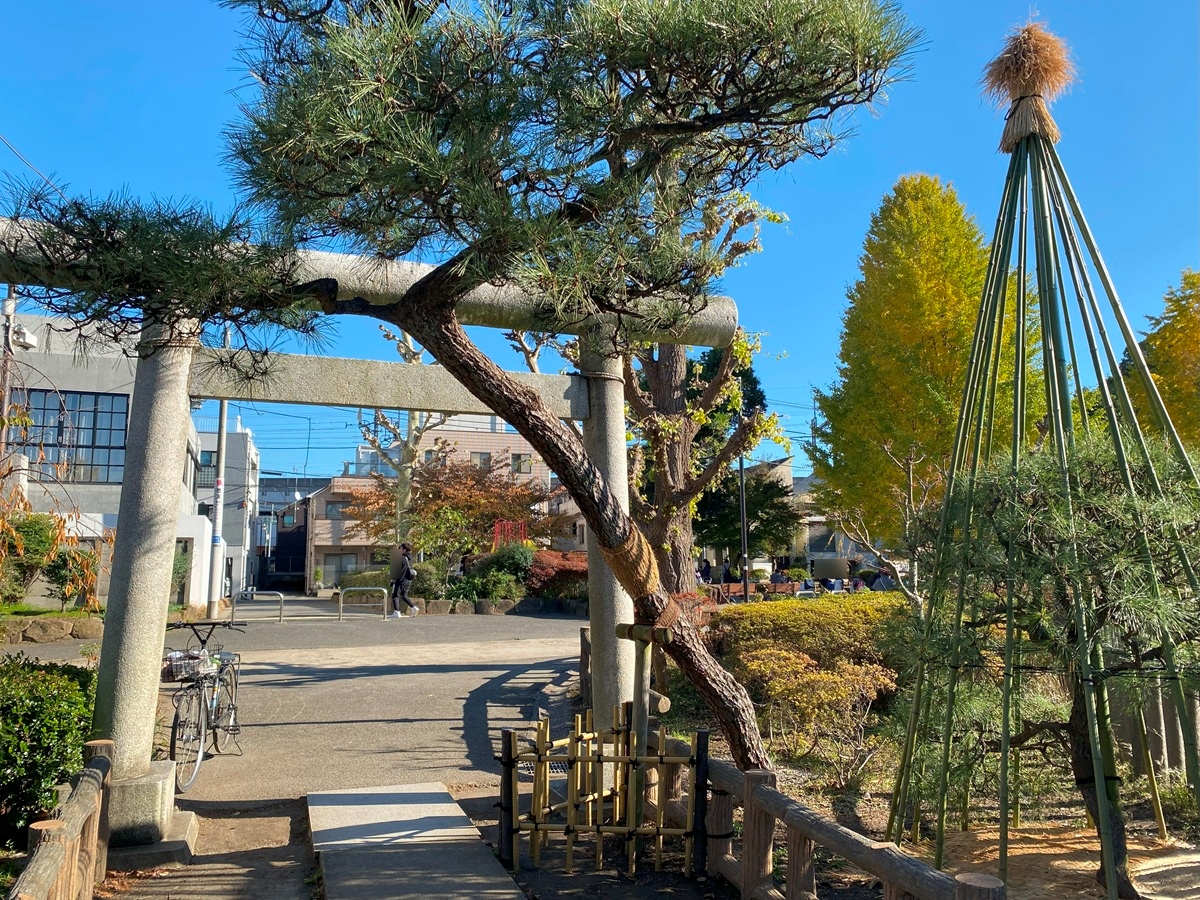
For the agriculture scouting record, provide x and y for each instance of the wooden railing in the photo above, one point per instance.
(903, 877)
(69, 852)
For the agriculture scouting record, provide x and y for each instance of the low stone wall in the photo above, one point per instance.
(524, 606)
(47, 629)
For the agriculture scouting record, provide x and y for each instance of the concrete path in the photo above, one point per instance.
(403, 841)
(327, 705)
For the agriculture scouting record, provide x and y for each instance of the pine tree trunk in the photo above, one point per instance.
(1085, 777)
(425, 314)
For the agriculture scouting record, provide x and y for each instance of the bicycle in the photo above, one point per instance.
(207, 696)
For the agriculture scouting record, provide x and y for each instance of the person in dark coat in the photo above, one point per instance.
(402, 583)
(705, 571)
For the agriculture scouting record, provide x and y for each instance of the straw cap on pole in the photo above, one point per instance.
(1033, 68)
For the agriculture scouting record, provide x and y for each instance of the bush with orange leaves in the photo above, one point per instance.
(816, 670)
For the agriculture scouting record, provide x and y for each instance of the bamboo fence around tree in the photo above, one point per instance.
(588, 759)
(1041, 233)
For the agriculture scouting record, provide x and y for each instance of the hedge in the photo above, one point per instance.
(369, 578)
(47, 711)
(829, 629)
(557, 573)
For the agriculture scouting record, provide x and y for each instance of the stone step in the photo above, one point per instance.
(400, 841)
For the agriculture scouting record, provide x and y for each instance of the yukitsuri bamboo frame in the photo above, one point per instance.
(68, 854)
(1040, 222)
(590, 807)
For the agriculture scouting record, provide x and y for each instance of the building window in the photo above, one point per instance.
(481, 460)
(336, 509)
(430, 456)
(522, 464)
(582, 533)
(73, 436)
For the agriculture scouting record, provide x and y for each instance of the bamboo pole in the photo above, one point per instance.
(1059, 424)
(573, 792)
(1148, 761)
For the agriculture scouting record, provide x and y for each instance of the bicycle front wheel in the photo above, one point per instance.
(225, 718)
(188, 733)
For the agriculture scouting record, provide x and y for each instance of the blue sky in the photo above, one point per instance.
(134, 94)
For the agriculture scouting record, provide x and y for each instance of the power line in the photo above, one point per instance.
(37, 171)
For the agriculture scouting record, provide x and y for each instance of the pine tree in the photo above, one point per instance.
(542, 146)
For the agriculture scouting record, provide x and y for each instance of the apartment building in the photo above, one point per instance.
(332, 545)
(482, 440)
(79, 404)
(239, 520)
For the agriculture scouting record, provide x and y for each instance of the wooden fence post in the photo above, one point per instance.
(52, 831)
(758, 832)
(976, 886)
(508, 815)
(801, 873)
(719, 826)
(98, 840)
(699, 823)
(585, 667)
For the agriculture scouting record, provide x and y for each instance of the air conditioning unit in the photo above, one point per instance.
(23, 337)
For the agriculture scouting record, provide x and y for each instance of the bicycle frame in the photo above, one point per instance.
(198, 706)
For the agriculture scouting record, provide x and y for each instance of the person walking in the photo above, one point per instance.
(402, 582)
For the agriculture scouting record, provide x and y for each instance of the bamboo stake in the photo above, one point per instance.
(1148, 761)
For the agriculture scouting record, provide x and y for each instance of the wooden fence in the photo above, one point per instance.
(903, 877)
(68, 853)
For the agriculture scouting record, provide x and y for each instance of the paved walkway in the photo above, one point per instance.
(327, 705)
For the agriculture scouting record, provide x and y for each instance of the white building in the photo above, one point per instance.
(241, 497)
(79, 407)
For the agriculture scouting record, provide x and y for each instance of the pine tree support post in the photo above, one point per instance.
(644, 637)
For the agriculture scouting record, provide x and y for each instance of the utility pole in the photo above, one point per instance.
(216, 579)
(6, 364)
(745, 531)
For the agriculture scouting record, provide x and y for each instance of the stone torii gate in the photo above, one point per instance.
(170, 372)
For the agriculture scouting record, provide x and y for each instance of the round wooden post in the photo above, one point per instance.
(94, 750)
(758, 831)
(51, 831)
(508, 815)
(976, 886)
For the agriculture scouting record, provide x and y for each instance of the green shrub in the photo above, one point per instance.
(815, 669)
(514, 560)
(368, 578)
(29, 543)
(488, 585)
(845, 627)
(760, 574)
(429, 583)
(72, 574)
(47, 711)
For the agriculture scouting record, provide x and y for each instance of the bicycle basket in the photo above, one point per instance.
(187, 665)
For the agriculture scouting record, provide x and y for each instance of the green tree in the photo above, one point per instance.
(1172, 349)
(772, 517)
(690, 418)
(1055, 552)
(888, 422)
(566, 149)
